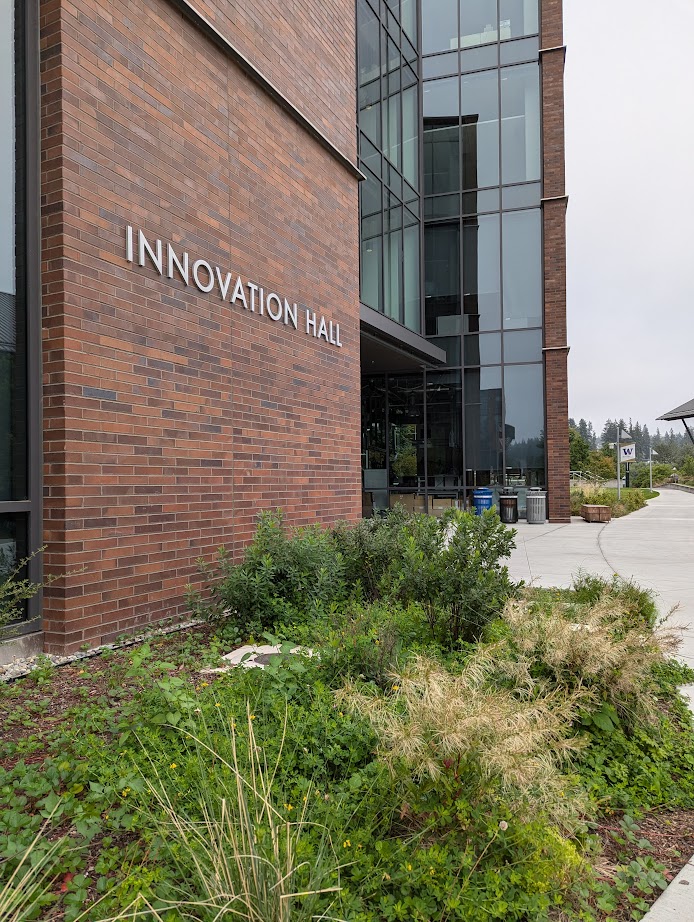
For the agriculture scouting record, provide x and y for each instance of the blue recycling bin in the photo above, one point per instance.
(482, 499)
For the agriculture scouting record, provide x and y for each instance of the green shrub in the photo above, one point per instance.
(282, 572)
(639, 475)
(637, 604)
(631, 500)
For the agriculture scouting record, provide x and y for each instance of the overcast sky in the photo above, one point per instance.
(630, 166)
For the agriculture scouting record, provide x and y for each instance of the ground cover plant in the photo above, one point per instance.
(630, 501)
(517, 755)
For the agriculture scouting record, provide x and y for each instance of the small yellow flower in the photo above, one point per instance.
(204, 684)
(346, 844)
(305, 798)
(125, 792)
(251, 716)
(340, 714)
(217, 704)
(396, 688)
(409, 867)
(173, 765)
(288, 807)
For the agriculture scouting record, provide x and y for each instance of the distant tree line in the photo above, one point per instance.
(592, 452)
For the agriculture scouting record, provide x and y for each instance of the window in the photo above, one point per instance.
(442, 279)
(524, 430)
(439, 25)
(518, 17)
(522, 269)
(441, 137)
(483, 427)
(480, 112)
(481, 274)
(520, 123)
(478, 23)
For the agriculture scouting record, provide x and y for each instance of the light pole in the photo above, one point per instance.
(651, 454)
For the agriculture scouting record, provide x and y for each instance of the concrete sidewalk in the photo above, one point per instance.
(655, 548)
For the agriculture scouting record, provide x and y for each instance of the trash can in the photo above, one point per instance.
(482, 499)
(508, 507)
(536, 509)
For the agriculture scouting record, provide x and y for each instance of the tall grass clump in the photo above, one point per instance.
(467, 730)
(238, 851)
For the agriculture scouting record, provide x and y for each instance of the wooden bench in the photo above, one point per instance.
(596, 513)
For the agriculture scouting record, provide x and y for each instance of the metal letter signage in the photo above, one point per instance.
(246, 295)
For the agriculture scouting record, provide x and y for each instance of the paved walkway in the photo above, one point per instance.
(654, 547)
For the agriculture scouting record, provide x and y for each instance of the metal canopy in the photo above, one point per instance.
(683, 413)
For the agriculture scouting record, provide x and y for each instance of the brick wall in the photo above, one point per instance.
(173, 416)
(554, 229)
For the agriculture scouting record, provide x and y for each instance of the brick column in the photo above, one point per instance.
(554, 229)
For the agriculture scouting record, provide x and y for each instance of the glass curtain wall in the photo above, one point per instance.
(479, 422)
(389, 153)
(14, 474)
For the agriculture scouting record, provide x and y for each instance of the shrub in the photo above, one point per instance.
(639, 475)
(630, 501)
(636, 604)
(281, 572)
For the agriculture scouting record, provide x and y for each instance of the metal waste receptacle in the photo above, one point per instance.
(508, 507)
(482, 499)
(536, 508)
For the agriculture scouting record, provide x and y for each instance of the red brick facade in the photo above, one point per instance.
(554, 219)
(171, 416)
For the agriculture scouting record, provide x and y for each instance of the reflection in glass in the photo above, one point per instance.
(440, 65)
(478, 58)
(442, 279)
(518, 17)
(451, 346)
(522, 269)
(481, 200)
(478, 23)
(441, 206)
(525, 441)
(408, 19)
(439, 25)
(411, 277)
(410, 136)
(371, 250)
(392, 293)
(481, 283)
(483, 427)
(480, 115)
(525, 346)
(520, 123)
(13, 438)
(373, 445)
(444, 431)
(441, 137)
(483, 349)
(406, 423)
(525, 196)
(527, 49)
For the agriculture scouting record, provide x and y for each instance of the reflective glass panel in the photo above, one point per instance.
(440, 65)
(518, 17)
(13, 382)
(441, 137)
(483, 427)
(439, 25)
(481, 271)
(406, 422)
(482, 200)
(522, 269)
(442, 279)
(444, 430)
(373, 444)
(525, 50)
(522, 196)
(478, 58)
(408, 19)
(484, 349)
(478, 24)
(411, 258)
(410, 136)
(520, 123)
(524, 430)
(523, 347)
(392, 291)
(480, 114)
(368, 43)
(451, 346)
(442, 206)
